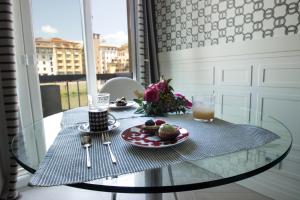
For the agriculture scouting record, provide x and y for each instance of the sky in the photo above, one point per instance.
(62, 18)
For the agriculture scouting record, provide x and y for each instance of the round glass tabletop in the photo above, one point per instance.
(31, 145)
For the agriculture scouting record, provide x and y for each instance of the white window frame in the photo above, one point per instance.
(91, 73)
(30, 105)
(132, 43)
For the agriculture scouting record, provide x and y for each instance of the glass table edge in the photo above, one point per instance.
(166, 188)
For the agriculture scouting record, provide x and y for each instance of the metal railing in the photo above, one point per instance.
(48, 79)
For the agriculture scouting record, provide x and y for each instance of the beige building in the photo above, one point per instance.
(57, 56)
(110, 58)
(121, 62)
(108, 54)
(123, 58)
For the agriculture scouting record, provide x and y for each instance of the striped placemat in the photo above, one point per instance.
(73, 116)
(65, 161)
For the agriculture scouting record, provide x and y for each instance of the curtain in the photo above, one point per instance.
(145, 41)
(8, 103)
(150, 41)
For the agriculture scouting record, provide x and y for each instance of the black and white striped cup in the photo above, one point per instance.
(100, 119)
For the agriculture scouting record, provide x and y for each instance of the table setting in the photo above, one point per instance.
(97, 142)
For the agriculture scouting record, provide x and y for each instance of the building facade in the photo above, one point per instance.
(44, 51)
(110, 58)
(108, 54)
(56, 56)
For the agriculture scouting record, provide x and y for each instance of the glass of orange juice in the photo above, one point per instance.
(203, 108)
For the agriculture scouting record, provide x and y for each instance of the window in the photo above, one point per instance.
(56, 36)
(110, 34)
(63, 33)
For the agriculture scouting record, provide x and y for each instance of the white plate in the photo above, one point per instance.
(128, 105)
(85, 127)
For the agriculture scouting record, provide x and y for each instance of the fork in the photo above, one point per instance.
(106, 141)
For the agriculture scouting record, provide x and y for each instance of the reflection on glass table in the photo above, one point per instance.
(187, 175)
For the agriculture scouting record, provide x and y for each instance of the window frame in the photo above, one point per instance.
(91, 71)
(30, 105)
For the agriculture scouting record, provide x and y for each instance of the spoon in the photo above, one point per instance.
(86, 141)
(113, 158)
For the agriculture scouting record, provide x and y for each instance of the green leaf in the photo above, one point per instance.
(138, 101)
(139, 110)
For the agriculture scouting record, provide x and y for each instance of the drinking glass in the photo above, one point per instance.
(99, 101)
(103, 100)
(203, 108)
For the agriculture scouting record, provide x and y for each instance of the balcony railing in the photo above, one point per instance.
(68, 96)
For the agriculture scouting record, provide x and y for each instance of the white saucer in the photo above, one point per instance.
(85, 128)
(129, 104)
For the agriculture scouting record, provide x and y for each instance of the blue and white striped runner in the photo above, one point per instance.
(65, 161)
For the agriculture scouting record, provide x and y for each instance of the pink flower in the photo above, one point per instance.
(151, 94)
(188, 104)
(179, 95)
(162, 85)
(151, 85)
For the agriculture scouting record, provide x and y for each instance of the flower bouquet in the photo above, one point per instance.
(159, 99)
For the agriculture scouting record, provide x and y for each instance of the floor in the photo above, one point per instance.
(226, 192)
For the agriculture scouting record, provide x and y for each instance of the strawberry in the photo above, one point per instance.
(159, 122)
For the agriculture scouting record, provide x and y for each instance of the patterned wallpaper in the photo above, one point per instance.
(183, 24)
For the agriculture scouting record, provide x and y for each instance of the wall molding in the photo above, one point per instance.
(235, 75)
(287, 75)
(266, 48)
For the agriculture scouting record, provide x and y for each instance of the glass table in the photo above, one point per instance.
(31, 145)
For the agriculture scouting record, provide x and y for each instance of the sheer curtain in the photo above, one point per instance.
(8, 102)
(143, 40)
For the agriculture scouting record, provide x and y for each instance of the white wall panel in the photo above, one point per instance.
(200, 76)
(235, 107)
(284, 75)
(285, 108)
(190, 78)
(235, 75)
